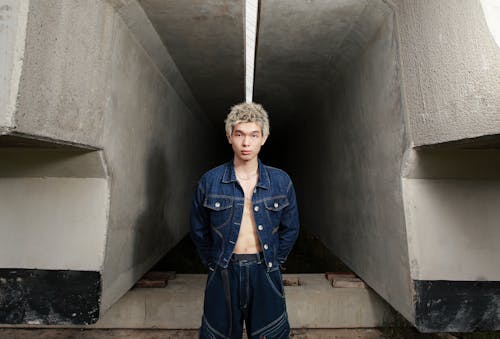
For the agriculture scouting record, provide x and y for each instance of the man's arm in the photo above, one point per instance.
(289, 227)
(200, 226)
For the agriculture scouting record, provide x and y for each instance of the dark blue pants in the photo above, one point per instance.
(244, 292)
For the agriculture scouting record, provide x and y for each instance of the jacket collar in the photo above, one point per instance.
(230, 176)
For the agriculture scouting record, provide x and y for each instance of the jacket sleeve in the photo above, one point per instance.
(289, 226)
(200, 226)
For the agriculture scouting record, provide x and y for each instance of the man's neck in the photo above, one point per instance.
(246, 167)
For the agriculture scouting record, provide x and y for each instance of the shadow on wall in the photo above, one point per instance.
(152, 228)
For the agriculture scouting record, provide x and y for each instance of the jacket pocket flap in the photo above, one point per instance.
(218, 203)
(276, 204)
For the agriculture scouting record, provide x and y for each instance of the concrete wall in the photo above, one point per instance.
(417, 225)
(13, 15)
(349, 182)
(88, 82)
(451, 65)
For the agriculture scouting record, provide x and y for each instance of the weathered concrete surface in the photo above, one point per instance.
(351, 198)
(141, 27)
(205, 38)
(384, 89)
(87, 81)
(298, 41)
(13, 17)
(451, 66)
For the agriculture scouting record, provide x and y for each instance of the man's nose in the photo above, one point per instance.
(246, 140)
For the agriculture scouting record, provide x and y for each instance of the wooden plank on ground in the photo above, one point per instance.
(339, 275)
(291, 281)
(155, 279)
(348, 283)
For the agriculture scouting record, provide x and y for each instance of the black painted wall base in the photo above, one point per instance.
(457, 306)
(51, 297)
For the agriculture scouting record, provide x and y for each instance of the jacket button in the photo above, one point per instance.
(260, 227)
(270, 264)
(256, 208)
(217, 204)
(276, 205)
(266, 247)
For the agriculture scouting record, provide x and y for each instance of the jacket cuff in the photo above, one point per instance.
(282, 264)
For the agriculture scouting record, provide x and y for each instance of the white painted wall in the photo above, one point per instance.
(53, 209)
(453, 228)
(53, 223)
(451, 201)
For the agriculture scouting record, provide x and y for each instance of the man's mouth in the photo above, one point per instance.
(246, 152)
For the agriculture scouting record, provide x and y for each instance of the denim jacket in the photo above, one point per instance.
(217, 210)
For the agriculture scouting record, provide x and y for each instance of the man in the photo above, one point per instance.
(244, 223)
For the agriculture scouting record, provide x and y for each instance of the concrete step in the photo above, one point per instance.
(313, 304)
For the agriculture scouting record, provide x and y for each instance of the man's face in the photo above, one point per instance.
(246, 140)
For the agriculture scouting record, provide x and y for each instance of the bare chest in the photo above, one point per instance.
(248, 187)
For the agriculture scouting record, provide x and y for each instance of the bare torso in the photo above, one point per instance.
(248, 240)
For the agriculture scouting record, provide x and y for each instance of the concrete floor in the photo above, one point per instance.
(314, 304)
(175, 311)
(188, 334)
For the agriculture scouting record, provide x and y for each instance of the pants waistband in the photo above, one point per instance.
(253, 257)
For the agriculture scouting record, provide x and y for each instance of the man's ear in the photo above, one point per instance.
(228, 138)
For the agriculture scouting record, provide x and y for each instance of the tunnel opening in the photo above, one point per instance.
(303, 78)
(328, 74)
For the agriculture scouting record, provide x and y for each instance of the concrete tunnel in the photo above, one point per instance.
(385, 113)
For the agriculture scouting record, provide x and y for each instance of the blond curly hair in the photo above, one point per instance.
(247, 112)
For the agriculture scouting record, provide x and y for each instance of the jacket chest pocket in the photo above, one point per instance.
(220, 210)
(274, 207)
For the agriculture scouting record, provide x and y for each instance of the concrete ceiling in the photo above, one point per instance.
(301, 43)
(205, 39)
(298, 42)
